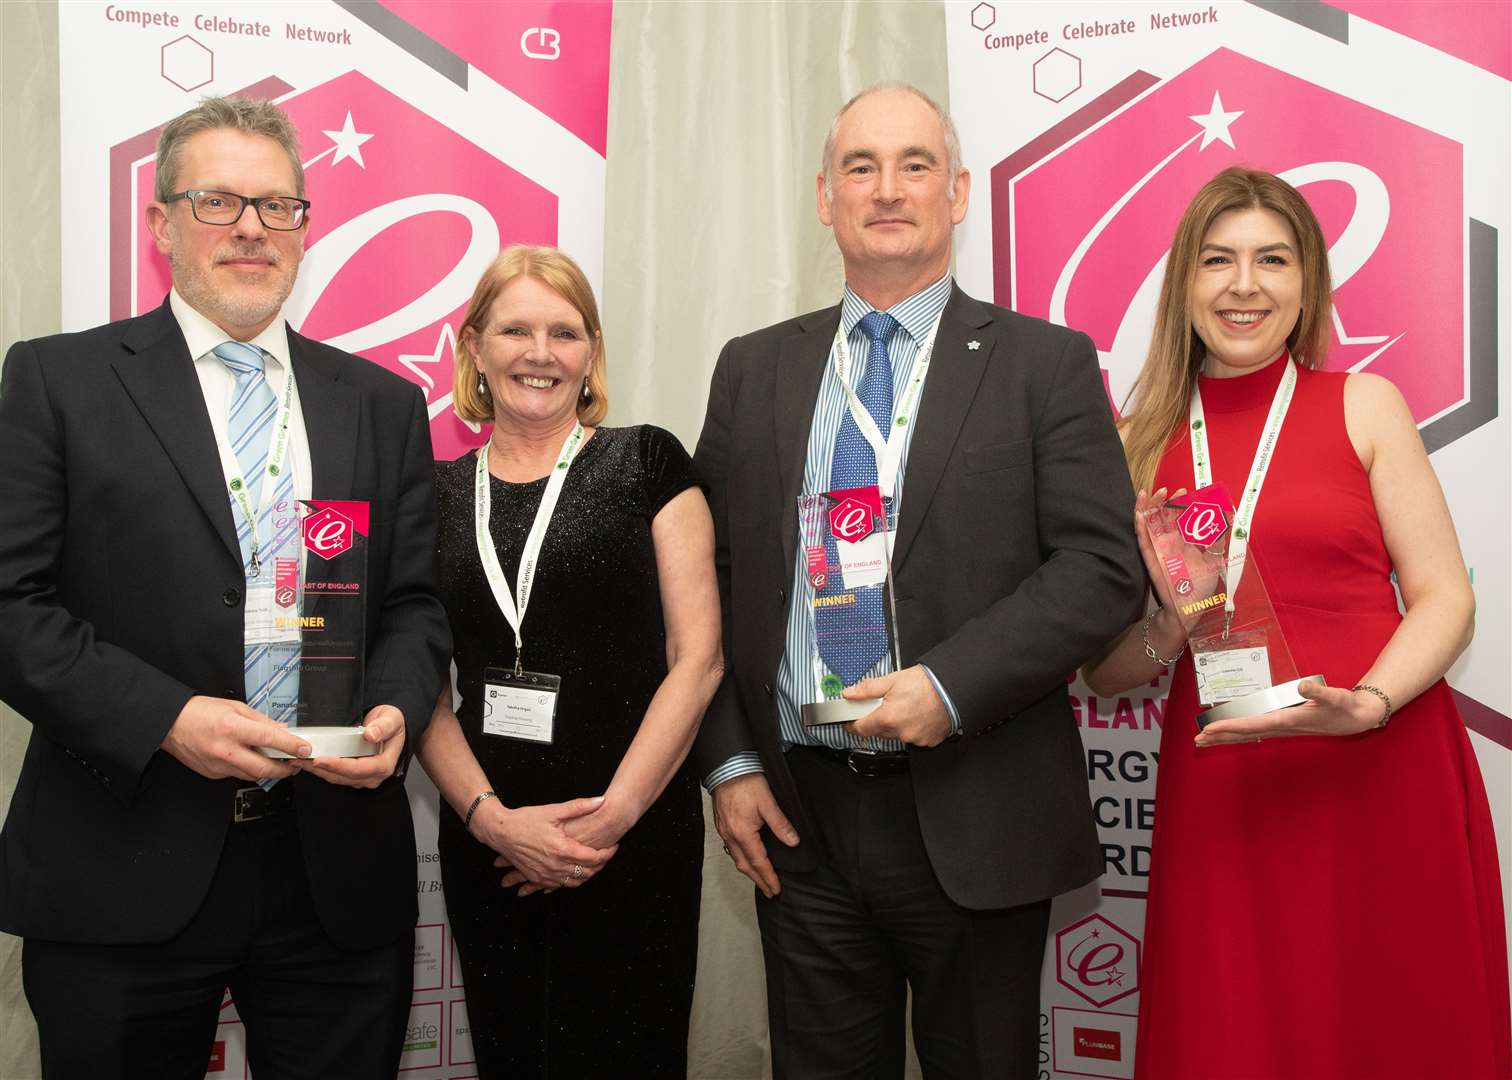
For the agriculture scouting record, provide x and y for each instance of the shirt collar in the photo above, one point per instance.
(916, 313)
(202, 335)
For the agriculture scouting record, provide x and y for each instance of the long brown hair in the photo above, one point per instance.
(1157, 403)
(555, 269)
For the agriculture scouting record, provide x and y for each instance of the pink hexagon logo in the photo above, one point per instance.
(1202, 524)
(1097, 960)
(328, 532)
(851, 520)
(983, 16)
(1083, 214)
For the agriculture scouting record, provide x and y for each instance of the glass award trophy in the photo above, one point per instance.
(332, 617)
(843, 538)
(1241, 659)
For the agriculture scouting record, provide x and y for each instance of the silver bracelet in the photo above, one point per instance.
(473, 809)
(1150, 649)
(1378, 692)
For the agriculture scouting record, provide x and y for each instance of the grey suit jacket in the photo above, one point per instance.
(1015, 561)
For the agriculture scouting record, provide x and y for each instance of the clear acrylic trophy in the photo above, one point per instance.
(331, 613)
(848, 598)
(1242, 662)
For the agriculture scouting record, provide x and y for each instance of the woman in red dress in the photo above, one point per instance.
(1324, 894)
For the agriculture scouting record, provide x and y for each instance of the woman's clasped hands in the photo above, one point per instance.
(542, 848)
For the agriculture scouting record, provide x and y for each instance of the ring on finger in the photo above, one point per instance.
(577, 870)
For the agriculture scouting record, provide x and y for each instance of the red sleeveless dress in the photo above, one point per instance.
(1319, 908)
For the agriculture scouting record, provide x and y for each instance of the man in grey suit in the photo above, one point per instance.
(918, 846)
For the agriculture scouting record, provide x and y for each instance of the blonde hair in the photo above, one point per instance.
(557, 271)
(1156, 405)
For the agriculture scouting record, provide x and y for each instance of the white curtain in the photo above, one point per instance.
(717, 116)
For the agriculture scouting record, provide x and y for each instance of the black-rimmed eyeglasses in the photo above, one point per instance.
(278, 212)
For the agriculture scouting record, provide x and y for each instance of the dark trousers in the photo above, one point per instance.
(845, 942)
(150, 1011)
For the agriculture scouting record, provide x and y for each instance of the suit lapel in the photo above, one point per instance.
(955, 372)
(330, 410)
(158, 374)
(799, 370)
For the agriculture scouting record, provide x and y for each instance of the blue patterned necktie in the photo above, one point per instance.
(272, 670)
(847, 635)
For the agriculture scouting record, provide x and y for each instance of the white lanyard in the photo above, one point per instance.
(514, 611)
(1202, 469)
(889, 451)
(237, 484)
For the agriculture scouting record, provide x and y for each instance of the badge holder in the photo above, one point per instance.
(863, 543)
(520, 705)
(1243, 664)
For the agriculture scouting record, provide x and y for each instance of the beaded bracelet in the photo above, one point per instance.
(1150, 649)
(473, 809)
(1378, 692)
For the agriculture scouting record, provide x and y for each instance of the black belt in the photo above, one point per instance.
(865, 763)
(253, 802)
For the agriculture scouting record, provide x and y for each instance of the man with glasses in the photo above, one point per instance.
(154, 855)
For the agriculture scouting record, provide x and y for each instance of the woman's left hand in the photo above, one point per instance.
(1328, 710)
(601, 829)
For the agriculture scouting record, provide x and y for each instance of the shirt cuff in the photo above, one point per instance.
(741, 764)
(955, 714)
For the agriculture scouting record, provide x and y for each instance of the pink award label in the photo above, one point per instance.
(286, 582)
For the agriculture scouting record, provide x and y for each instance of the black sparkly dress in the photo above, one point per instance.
(595, 981)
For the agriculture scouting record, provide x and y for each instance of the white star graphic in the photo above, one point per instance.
(1215, 125)
(973, 345)
(446, 341)
(349, 142)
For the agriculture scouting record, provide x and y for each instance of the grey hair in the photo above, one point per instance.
(947, 126)
(238, 114)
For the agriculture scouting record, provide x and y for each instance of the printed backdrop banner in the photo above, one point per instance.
(1087, 128)
(434, 133)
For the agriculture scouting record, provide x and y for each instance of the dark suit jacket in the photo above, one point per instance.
(1015, 560)
(121, 597)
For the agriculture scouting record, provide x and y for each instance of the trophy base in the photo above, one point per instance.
(344, 741)
(836, 711)
(1261, 701)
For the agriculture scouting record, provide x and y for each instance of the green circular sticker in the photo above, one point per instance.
(902, 421)
(272, 470)
(832, 686)
(1196, 424)
(1240, 534)
(236, 484)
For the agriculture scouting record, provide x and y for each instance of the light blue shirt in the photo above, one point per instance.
(916, 316)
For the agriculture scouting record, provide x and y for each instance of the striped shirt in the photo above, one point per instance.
(916, 316)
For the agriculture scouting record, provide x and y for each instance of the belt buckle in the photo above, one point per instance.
(246, 807)
(854, 760)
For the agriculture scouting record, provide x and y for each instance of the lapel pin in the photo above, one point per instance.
(973, 345)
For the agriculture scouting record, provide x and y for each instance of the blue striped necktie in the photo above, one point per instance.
(847, 635)
(271, 669)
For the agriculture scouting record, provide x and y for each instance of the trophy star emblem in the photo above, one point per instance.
(973, 345)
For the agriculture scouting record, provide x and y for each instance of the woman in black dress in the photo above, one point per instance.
(572, 839)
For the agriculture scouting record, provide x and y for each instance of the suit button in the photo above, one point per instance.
(768, 688)
(231, 597)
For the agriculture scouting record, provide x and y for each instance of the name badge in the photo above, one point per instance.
(271, 614)
(1229, 673)
(520, 706)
